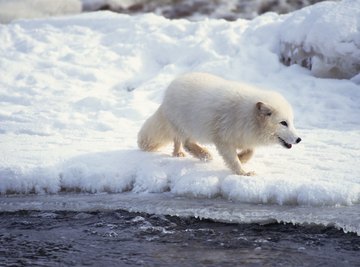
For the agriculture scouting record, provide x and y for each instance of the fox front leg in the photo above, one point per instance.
(231, 159)
(245, 155)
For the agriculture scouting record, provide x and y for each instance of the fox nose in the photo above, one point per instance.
(298, 140)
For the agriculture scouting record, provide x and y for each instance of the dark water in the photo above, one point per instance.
(121, 238)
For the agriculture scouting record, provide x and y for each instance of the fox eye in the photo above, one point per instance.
(284, 123)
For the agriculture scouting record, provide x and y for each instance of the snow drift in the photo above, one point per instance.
(324, 38)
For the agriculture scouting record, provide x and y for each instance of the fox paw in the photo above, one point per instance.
(205, 156)
(251, 173)
(179, 154)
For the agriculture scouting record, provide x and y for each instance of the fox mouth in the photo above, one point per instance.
(282, 141)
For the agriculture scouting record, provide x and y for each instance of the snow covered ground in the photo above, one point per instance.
(303, 38)
(74, 92)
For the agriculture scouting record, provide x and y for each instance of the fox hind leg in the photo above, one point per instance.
(178, 148)
(197, 151)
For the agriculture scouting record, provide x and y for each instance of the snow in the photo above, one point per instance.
(303, 38)
(74, 92)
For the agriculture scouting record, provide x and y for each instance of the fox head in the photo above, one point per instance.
(276, 124)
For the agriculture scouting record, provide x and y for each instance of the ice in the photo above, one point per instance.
(74, 91)
(167, 204)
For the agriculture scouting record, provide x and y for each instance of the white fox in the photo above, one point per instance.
(203, 108)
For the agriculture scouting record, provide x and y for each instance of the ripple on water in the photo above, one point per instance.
(113, 237)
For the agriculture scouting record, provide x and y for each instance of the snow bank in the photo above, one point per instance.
(131, 170)
(324, 38)
(22, 9)
(74, 92)
(123, 171)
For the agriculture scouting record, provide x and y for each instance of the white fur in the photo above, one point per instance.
(200, 107)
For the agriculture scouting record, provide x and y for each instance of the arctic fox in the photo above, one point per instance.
(203, 108)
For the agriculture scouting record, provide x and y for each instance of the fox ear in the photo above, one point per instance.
(263, 109)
